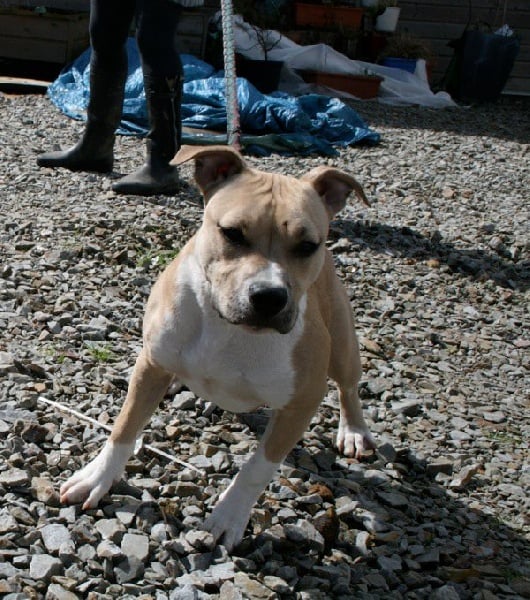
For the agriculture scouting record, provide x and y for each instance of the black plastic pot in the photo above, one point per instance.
(263, 74)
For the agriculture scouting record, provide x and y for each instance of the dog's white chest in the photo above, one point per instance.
(240, 372)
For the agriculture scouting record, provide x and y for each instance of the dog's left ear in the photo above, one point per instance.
(213, 165)
(334, 186)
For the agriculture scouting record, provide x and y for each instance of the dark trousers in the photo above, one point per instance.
(156, 34)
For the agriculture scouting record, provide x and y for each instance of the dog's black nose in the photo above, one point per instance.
(266, 300)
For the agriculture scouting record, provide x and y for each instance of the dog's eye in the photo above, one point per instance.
(234, 236)
(305, 249)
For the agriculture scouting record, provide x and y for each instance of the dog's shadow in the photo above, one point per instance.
(507, 271)
(395, 512)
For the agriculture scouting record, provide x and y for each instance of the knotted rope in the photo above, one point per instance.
(233, 128)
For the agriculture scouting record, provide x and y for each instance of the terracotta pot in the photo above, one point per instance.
(361, 86)
(326, 16)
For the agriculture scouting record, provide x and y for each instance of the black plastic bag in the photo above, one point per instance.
(481, 65)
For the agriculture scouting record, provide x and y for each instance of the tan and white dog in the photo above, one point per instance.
(251, 313)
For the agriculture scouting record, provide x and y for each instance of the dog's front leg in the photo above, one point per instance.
(146, 389)
(353, 436)
(232, 512)
(230, 516)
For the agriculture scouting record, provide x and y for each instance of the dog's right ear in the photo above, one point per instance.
(334, 186)
(213, 165)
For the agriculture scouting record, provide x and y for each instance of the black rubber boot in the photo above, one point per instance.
(157, 176)
(95, 150)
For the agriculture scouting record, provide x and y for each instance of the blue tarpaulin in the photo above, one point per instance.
(279, 122)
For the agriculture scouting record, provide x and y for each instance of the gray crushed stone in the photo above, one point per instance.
(438, 273)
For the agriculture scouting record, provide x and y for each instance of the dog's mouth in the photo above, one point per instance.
(283, 324)
(253, 323)
(264, 309)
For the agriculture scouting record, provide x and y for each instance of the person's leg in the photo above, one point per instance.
(157, 22)
(110, 21)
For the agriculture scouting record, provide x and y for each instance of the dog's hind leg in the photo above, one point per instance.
(146, 389)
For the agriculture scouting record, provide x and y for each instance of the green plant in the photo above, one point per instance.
(58, 354)
(503, 437)
(405, 45)
(160, 259)
(100, 352)
(511, 573)
(264, 18)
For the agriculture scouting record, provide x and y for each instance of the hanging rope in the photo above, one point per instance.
(233, 128)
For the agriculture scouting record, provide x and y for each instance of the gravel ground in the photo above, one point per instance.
(438, 275)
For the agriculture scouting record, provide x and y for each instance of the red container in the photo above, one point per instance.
(360, 86)
(324, 16)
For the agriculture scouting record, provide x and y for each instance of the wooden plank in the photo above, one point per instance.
(520, 71)
(517, 20)
(28, 49)
(440, 31)
(26, 24)
(193, 31)
(50, 37)
(517, 86)
(517, 15)
(191, 23)
(476, 4)
(70, 5)
(18, 85)
(55, 38)
(457, 14)
(189, 44)
(428, 30)
(22, 81)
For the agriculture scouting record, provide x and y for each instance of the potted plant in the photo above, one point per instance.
(263, 73)
(403, 50)
(341, 39)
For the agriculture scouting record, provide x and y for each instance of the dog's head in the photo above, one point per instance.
(262, 241)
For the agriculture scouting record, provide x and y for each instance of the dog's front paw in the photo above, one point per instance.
(230, 516)
(92, 482)
(352, 442)
(227, 523)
